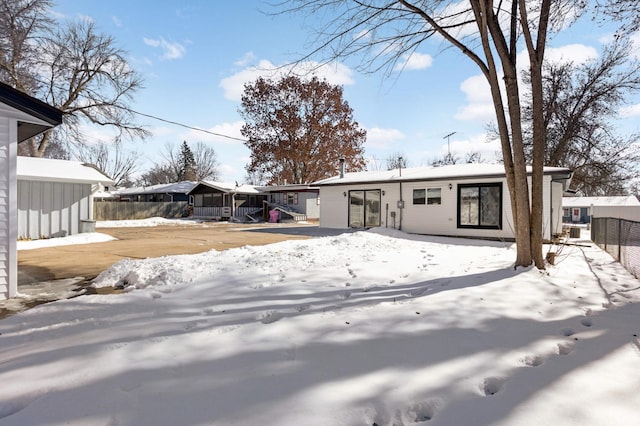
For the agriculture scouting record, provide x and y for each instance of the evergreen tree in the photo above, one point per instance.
(186, 163)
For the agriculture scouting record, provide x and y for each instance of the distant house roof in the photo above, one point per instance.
(47, 169)
(288, 188)
(183, 187)
(230, 188)
(48, 115)
(455, 171)
(629, 200)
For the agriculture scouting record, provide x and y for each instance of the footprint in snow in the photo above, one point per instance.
(565, 348)
(491, 385)
(302, 308)
(568, 332)
(533, 360)
(587, 322)
(269, 317)
(344, 295)
(422, 411)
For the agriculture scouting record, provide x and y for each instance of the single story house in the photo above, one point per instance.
(223, 201)
(580, 209)
(463, 200)
(164, 192)
(301, 201)
(55, 197)
(21, 117)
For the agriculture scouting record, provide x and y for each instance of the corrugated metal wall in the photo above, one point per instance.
(51, 209)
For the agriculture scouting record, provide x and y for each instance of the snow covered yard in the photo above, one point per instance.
(374, 327)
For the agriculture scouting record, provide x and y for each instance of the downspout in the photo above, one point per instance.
(400, 207)
(401, 202)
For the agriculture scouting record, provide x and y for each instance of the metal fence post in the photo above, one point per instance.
(619, 239)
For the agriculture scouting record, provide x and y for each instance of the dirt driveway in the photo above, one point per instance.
(88, 260)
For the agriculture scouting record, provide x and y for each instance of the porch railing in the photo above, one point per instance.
(223, 212)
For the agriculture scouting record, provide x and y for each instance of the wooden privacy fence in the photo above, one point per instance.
(114, 210)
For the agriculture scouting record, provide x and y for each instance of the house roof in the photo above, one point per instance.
(288, 188)
(452, 172)
(183, 187)
(231, 188)
(51, 170)
(629, 200)
(43, 115)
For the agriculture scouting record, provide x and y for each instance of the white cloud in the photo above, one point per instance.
(117, 22)
(415, 61)
(335, 73)
(576, 53)
(169, 50)
(382, 138)
(479, 105)
(246, 59)
(227, 129)
(630, 111)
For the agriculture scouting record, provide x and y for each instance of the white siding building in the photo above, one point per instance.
(466, 200)
(55, 197)
(21, 117)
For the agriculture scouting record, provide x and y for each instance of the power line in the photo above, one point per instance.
(185, 125)
(150, 116)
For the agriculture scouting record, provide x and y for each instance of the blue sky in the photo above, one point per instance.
(195, 57)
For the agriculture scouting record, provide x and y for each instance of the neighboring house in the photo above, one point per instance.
(55, 197)
(222, 201)
(580, 209)
(165, 192)
(21, 117)
(298, 201)
(464, 200)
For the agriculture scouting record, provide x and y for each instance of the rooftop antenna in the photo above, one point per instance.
(448, 144)
(449, 157)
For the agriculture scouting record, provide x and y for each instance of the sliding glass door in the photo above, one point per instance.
(364, 208)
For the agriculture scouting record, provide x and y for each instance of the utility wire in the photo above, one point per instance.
(175, 123)
(185, 125)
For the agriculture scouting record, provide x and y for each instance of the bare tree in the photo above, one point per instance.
(206, 161)
(22, 24)
(580, 104)
(397, 160)
(112, 160)
(71, 66)
(488, 34)
(172, 169)
(623, 12)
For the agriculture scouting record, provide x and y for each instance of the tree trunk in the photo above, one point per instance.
(519, 187)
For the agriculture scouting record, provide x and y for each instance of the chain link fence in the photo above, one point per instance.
(620, 238)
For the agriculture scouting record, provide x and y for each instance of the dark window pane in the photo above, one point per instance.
(490, 206)
(434, 196)
(418, 196)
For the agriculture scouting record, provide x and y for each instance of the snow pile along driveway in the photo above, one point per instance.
(366, 328)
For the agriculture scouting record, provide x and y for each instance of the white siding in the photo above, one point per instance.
(618, 212)
(431, 219)
(309, 203)
(334, 205)
(557, 189)
(8, 255)
(52, 209)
